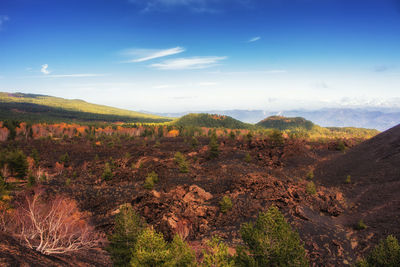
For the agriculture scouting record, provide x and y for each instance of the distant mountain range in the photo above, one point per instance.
(380, 119)
(32, 107)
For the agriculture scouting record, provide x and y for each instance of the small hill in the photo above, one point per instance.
(286, 123)
(43, 108)
(211, 121)
(306, 128)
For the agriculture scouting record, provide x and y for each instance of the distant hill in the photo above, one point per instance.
(247, 116)
(285, 123)
(211, 121)
(43, 108)
(372, 118)
(306, 128)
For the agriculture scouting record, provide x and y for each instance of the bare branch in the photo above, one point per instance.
(51, 226)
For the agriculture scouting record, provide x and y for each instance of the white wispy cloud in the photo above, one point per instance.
(188, 63)
(149, 54)
(254, 39)
(3, 19)
(44, 69)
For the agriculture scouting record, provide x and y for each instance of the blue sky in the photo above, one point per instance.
(177, 55)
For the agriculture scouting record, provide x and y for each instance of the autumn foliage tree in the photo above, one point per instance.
(51, 226)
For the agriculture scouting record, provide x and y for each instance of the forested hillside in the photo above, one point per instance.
(42, 108)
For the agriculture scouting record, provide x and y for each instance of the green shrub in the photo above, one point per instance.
(151, 180)
(178, 157)
(276, 137)
(310, 175)
(17, 163)
(385, 254)
(213, 147)
(217, 254)
(43, 178)
(181, 161)
(181, 253)
(157, 144)
(31, 180)
(247, 158)
(232, 135)
(225, 204)
(128, 226)
(150, 250)
(341, 146)
(270, 241)
(360, 225)
(148, 183)
(107, 173)
(160, 131)
(133, 166)
(348, 179)
(194, 142)
(35, 156)
(3, 186)
(153, 176)
(310, 188)
(249, 136)
(64, 158)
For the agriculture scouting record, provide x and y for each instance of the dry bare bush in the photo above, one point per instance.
(5, 171)
(4, 214)
(54, 226)
(183, 228)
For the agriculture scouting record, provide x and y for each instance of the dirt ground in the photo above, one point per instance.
(189, 202)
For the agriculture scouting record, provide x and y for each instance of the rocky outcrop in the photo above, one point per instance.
(184, 210)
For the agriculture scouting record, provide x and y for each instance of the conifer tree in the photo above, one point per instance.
(270, 241)
(213, 147)
(128, 226)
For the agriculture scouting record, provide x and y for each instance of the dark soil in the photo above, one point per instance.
(189, 202)
(373, 195)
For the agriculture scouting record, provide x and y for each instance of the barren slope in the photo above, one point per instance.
(374, 192)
